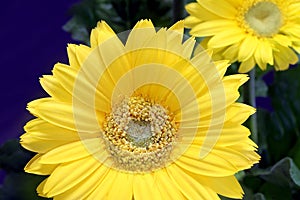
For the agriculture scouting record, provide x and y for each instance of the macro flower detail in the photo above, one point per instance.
(140, 118)
(251, 32)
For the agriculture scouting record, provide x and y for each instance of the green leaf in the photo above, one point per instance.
(259, 196)
(13, 157)
(275, 192)
(284, 173)
(20, 186)
(121, 15)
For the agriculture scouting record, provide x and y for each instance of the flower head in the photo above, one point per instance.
(252, 32)
(144, 119)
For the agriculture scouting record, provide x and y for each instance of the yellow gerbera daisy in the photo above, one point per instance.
(249, 31)
(140, 120)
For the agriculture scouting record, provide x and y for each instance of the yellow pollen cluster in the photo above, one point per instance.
(139, 135)
(260, 17)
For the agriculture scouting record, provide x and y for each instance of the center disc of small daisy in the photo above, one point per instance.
(264, 18)
(139, 135)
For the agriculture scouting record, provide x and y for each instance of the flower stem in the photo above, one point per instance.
(249, 98)
(178, 8)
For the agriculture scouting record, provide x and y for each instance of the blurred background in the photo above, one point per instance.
(34, 37)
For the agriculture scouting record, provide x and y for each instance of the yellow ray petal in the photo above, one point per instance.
(231, 134)
(104, 186)
(282, 40)
(224, 9)
(239, 160)
(247, 48)
(79, 85)
(188, 47)
(77, 55)
(33, 166)
(284, 57)
(247, 65)
(141, 32)
(122, 187)
(59, 182)
(72, 151)
(231, 52)
(200, 12)
(48, 130)
(101, 33)
(71, 49)
(62, 115)
(167, 187)
(145, 188)
(226, 37)
(212, 27)
(238, 113)
(191, 21)
(51, 85)
(191, 188)
(86, 187)
(225, 186)
(231, 85)
(212, 165)
(40, 146)
(40, 187)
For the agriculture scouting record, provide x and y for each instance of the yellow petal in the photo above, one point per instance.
(72, 151)
(188, 47)
(122, 187)
(282, 40)
(226, 37)
(247, 48)
(141, 32)
(67, 175)
(77, 54)
(212, 165)
(71, 49)
(62, 115)
(78, 84)
(191, 21)
(212, 27)
(231, 85)
(43, 130)
(231, 53)
(101, 33)
(225, 186)
(33, 166)
(284, 57)
(266, 52)
(238, 113)
(247, 65)
(86, 187)
(167, 187)
(191, 188)
(223, 9)
(51, 85)
(104, 186)
(145, 187)
(199, 12)
(40, 146)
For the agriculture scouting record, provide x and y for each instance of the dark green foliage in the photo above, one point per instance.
(121, 15)
(17, 185)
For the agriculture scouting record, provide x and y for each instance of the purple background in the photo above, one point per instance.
(32, 41)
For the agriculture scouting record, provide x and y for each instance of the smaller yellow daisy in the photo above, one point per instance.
(248, 31)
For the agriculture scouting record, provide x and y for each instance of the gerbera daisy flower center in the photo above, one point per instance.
(139, 135)
(264, 18)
